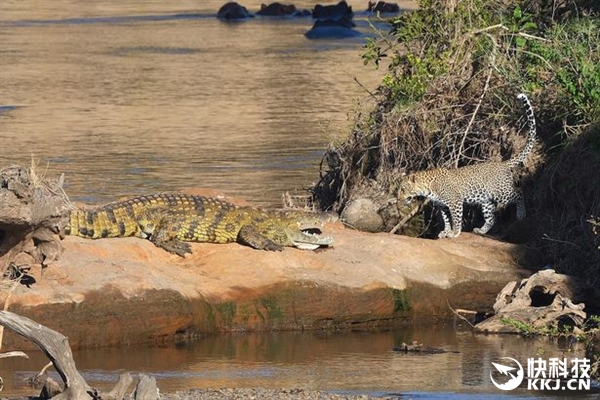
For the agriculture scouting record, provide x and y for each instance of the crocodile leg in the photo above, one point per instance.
(164, 236)
(251, 236)
(172, 245)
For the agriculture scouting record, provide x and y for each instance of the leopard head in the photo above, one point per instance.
(414, 185)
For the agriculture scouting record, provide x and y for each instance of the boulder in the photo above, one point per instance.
(126, 290)
(233, 11)
(363, 214)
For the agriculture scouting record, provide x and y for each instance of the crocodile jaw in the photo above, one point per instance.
(308, 241)
(301, 230)
(306, 246)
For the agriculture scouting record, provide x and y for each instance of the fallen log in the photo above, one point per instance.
(119, 390)
(539, 303)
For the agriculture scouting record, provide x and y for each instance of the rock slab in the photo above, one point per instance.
(126, 290)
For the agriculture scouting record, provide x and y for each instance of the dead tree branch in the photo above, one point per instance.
(56, 347)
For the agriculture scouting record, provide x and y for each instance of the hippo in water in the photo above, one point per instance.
(281, 10)
(332, 22)
(335, 12)
(233, 11)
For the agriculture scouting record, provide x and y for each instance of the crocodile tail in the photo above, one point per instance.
(100, 223)
(522, 156)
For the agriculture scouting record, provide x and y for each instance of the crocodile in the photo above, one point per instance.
(170, 220)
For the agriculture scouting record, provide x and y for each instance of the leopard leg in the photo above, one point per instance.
(452, 225)
(447, 229)
(488, 214)
(456, 212)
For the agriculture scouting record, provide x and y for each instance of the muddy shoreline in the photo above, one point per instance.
(259, 393)
(253, 393)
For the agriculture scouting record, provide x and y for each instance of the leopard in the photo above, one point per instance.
(490, 185)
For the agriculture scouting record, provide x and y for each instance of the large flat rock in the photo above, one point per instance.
(121, 291)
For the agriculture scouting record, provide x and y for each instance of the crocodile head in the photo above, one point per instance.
(295, 228)
(303, 229)
(274, 230)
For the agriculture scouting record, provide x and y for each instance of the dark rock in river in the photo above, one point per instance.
(335, 12)
(233, 11)
(383, 7)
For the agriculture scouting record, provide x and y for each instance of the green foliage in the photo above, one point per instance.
(528, 330)
(401, 301)
(559, 62)
(412, 71)
(553, 331)
(565, 69)
(593, 322)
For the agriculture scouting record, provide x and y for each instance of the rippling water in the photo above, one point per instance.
(347, 362)
(142, 96)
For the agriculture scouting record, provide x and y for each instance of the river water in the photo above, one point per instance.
(346, 362)
(143, 96)
(130, 97)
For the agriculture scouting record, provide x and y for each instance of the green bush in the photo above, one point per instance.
(530, 50)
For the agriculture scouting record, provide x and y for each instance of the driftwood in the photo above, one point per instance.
(119, 390)
(416, 347)
(544, 300)
(13, 354)
(56, 347)
(146, 388)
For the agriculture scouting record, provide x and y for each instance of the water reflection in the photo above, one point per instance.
(346, 361)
